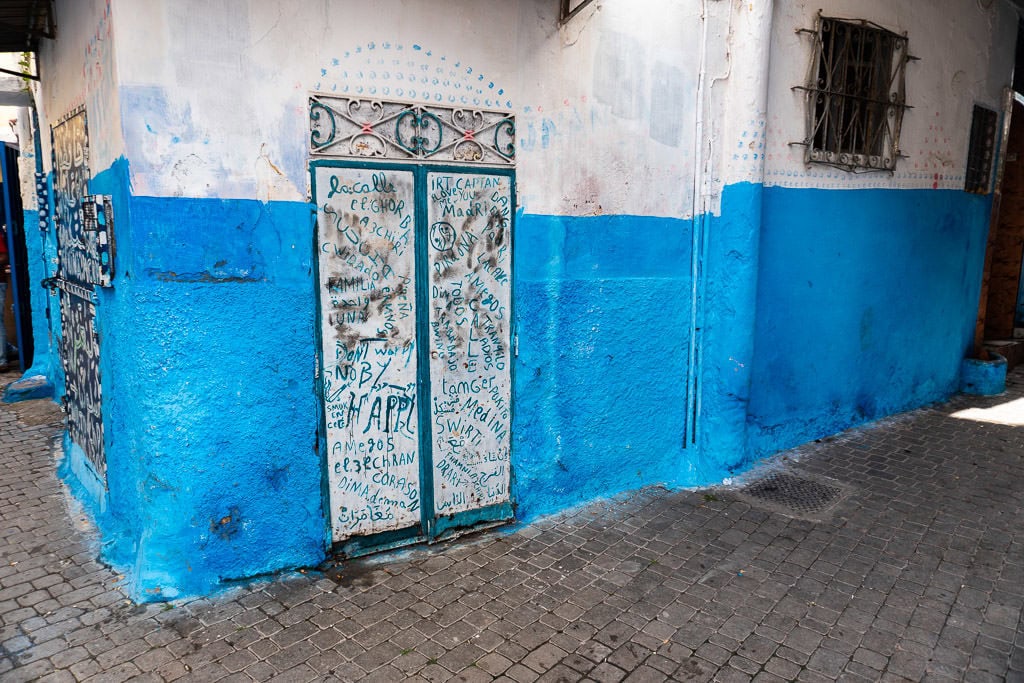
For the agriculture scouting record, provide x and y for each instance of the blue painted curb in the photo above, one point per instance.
(983, 377)
(27, 389)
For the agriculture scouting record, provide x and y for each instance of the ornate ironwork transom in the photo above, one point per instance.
(380, 129)
(856, 95)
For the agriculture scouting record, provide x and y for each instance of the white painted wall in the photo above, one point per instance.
(12, 88)
(214, 91)
(27, 161)
(735, 97)
(966, 57)
(9, 123)
(80, 69)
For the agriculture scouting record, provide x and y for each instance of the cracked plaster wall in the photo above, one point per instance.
(209, 352)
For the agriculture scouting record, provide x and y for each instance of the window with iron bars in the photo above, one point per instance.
(982, 150)
(856, 95)
(567, 9)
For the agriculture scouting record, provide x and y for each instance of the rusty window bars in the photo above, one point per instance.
(855, 95)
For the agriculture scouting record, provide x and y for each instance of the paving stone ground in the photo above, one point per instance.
(916, 574)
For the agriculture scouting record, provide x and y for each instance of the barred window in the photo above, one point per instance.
(567, 9)
(856, 95)
(982, 150)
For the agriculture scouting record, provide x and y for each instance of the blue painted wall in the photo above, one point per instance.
(208, 352)
(602, 306)
(42, 252)
(865, 306)
(210, 414)
(812, 323)
(726, 329)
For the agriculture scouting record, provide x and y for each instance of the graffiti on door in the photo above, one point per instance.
(470, 219)
(70, 177)
(366, 242)
(414, 285)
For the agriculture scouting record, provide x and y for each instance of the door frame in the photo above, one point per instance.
(431, 528)
(17, 253)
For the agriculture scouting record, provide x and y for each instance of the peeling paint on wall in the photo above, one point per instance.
(612, 245)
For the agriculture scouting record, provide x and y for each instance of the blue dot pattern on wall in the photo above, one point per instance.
(393, 70)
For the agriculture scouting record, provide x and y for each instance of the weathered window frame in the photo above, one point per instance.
(981, 151)
(567, 9)
(855, 95)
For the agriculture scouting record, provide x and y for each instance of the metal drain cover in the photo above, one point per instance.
(802, 495)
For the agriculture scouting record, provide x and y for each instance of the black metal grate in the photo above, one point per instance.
(805, 496)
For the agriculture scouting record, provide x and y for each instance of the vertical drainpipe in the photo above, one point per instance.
(42, 363)
(43, 213)
(696, 240)
(726, 247)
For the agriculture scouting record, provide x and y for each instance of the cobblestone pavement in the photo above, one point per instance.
(917, 573)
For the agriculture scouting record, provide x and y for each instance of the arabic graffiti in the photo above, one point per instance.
(78, 251)
(78, 264)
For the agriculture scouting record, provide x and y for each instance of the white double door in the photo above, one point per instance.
(414, 285)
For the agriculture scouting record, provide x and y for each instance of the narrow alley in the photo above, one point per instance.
(900, 556)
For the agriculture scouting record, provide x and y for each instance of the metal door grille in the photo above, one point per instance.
(390, 130)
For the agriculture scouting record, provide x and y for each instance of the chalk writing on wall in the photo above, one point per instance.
(77, 265)
(470, 219)
(100, 89)
(366, 241)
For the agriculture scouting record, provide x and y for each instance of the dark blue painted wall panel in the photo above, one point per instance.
(216, 240)
(866, 305)
(603, 310)
(208, 359)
